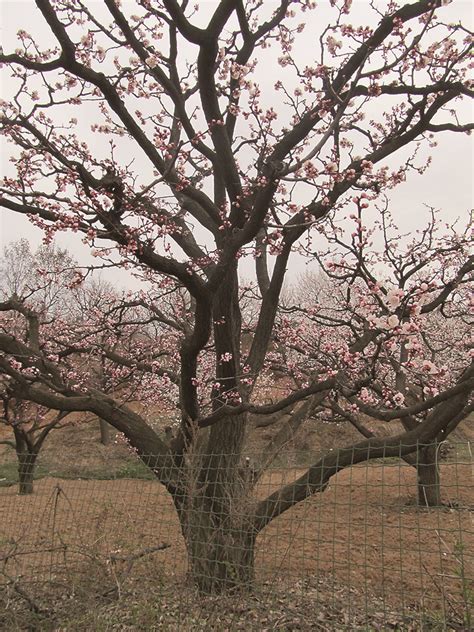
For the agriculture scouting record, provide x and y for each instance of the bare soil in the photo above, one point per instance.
(76, 451)
(363, 533)
(360, 555)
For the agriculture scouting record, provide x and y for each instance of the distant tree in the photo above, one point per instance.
(37, 285)
(391, 308)
(83, 325)
(44, 277)
(30, 425)
(203, 163)
(122, 345)
(90, 300)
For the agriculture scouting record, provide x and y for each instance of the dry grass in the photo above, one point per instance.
(361, 548)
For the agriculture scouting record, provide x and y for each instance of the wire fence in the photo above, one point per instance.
(363, 552)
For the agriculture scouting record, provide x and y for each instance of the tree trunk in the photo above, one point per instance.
(429, 488)
(214, 507)
(425, 461)
(216, 521)
(26, 469)
(105, 429)
(220, 541)
(221, 552)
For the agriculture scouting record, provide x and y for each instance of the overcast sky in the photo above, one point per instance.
(447, 184)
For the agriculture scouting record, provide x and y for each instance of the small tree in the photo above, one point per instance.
(37, 285)
(204, 164)
(31, 425)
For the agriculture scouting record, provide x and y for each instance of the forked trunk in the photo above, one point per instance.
(214, 506)
(429, 488)
(26, 470)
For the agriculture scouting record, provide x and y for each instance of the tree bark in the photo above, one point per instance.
(425, 461)
(429, 487)
(217, 527)
(214, 508)
(26, 470)
(221, 552)
(105, 429)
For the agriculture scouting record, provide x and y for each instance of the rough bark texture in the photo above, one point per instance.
(429, 488)
(216, 520)
(220, 548)
(214, 514)
(26, 469)
(425, 461)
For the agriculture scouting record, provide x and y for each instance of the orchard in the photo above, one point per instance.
(151, 131)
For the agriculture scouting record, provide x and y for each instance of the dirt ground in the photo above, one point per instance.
(362, 546)
(75, 451)
(364, 533)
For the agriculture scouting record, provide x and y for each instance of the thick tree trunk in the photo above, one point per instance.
(220, 549)
(220, 541)
(425, 461)
(214, 502)
(429, 487)
(26, 470)
(216, 512)
(105, 430)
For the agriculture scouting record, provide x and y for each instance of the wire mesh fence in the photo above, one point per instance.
(363, 550)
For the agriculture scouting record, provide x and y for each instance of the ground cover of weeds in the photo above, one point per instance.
(303, 607)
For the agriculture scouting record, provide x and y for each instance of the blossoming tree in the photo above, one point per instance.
(32, 285)
(391, 308)
(84, 326)
(203, 164)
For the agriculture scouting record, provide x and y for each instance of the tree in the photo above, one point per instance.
(200, 169)
(86, 327)
(44, 277)
(394, 309)
(31, 425)
(35, 285)
(91, 300)
(126, 345)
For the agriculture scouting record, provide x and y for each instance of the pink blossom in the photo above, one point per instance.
(394, 297)
(151, 61)
(392, 321)
(428, 367)
(399, 399)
